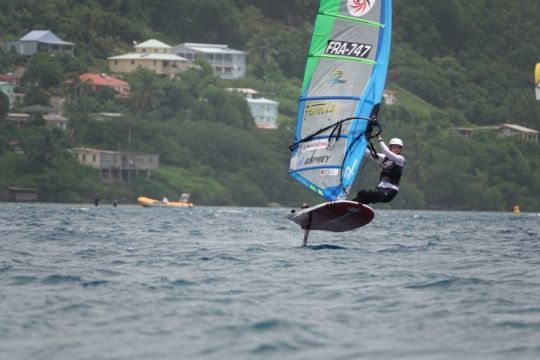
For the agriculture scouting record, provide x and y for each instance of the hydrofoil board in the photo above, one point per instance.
(336, 216)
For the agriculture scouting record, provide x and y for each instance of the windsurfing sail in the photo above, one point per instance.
(343, 84)
(537, 80)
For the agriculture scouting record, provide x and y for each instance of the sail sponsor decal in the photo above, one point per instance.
(329, 172)
(348, 48)
(360, 8)
(314, 145)
(321, 108)
(336, 78)
(312, 160)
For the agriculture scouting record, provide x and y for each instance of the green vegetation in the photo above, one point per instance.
(454, 63)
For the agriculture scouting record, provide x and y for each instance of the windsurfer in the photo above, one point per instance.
(392, 163)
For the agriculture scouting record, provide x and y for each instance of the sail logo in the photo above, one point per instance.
(336, 78)
(349, 171)
(360, 7)
(312, 160)
(348, 48)
(320, 108)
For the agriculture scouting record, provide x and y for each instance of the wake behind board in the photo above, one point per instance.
(336, 216)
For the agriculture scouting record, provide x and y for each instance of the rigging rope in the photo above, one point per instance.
(336, 133)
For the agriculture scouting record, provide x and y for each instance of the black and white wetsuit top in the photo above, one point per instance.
(391, 167)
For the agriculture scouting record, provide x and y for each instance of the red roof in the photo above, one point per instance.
(103, 80)
(10, 78)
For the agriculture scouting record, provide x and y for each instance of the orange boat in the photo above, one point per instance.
(148, 202)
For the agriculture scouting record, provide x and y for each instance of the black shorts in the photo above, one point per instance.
(377, 195)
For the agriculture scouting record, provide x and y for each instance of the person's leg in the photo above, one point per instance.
(387, 195)
(373, 196)
(370, 196)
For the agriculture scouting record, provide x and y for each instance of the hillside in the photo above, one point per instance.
(451, 65)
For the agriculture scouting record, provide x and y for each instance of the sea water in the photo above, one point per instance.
(80, 282)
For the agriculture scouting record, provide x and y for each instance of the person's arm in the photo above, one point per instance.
(398, 159)
(368, 153)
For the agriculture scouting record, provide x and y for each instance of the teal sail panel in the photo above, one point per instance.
(342, 89)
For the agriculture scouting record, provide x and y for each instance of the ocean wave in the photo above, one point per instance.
(61, 279)
(441, 286)
(448, 282)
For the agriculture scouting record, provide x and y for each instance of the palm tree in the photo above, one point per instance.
(145, 95)
(262, 55)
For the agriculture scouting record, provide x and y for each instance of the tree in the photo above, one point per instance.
(36, 96)
(262, 56)
(46, 145)
(44, 70)
(145, 90)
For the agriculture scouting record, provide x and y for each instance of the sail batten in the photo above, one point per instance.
(358, 98)
(343, 82)
(350, 18)
(344, 58)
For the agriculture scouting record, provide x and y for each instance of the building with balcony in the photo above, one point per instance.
(18, 194)
(8, 90)
(118, 166)
(153, 55)
(17, 119)
(264, 111)
(40, 41)
(227, 63)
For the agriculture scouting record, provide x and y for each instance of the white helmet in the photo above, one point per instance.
(395, 141)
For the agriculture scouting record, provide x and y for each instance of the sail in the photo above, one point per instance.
(537, 80)
(343, 85)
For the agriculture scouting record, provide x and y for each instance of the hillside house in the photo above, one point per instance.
(17, 119)
(153, 55)
(502, 130)
(389, 97)
(40, 41)
(58, 104)
(37, 109)
(106, 116)
(118, 166)
(227, 63)
(99, 81)
(8, 89)
(518, 131)
(18, 194)
(15, 146)
(10, 78)
(264, 111)
(55, 120)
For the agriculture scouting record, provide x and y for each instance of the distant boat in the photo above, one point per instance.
(148, 202)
